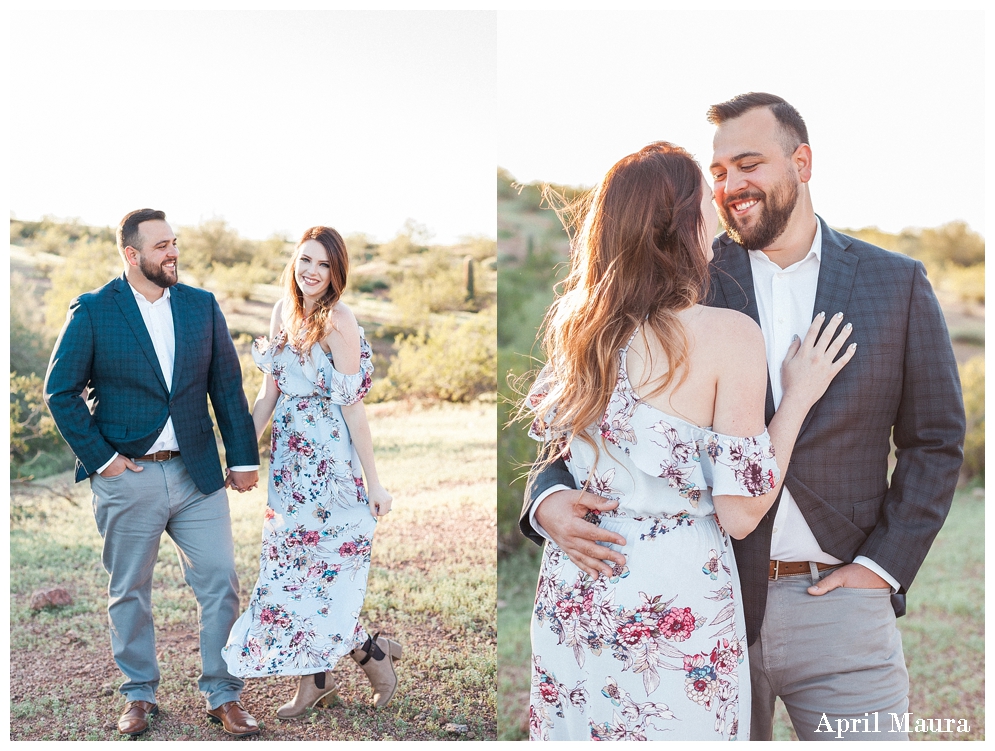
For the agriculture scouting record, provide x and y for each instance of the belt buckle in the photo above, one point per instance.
(777, 566)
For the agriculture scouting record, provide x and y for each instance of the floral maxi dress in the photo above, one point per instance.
(318, 530)
(657, 651)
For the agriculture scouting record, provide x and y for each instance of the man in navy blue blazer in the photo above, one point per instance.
(127, 385)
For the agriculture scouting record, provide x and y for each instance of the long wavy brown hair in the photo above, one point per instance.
(303, 330)
(637, 258)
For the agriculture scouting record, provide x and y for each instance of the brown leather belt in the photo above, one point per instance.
(158, 456)
(794, 568)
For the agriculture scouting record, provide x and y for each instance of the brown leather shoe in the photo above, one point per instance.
(135, 719)
(234, 719)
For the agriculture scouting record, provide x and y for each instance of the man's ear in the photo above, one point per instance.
(131, 255)
(802, 159)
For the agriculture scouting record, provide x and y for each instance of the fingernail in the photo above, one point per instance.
(853, 346)
(848, 326)
(838, 315)
(822, 314)
(794, 338)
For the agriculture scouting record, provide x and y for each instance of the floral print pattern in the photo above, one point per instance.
(659, 647)
(317, 529)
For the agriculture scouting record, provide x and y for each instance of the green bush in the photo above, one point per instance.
(526, 292)
(87, 266)
(972, 378)
(209, 244)
(434, 285)
(30, 343)
(35, 442)
(966, 282)
(450, 361)
(237, 281)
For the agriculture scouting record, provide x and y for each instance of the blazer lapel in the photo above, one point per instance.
(125, 300)
(736, 277)
(837, 272)
(179, 312)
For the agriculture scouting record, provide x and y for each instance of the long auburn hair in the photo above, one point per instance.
(303, 330)
(637, 259)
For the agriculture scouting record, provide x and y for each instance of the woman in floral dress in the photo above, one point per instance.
(635, 368)
(320, 517)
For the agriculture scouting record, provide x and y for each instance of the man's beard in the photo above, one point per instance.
(156, 274)
(775, 212)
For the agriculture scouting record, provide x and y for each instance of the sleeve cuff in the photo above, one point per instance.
(535, 504)
(869, 564)
(109, 462)
(246, 468)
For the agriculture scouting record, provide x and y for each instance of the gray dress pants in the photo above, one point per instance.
(835, 660)
(132, 511)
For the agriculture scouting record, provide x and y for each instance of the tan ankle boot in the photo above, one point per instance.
(311, 690)
(377, 660)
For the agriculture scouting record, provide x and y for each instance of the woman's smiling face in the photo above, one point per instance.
(312, 269)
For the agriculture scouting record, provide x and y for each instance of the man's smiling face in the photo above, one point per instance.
(754, 178)
(158, 255)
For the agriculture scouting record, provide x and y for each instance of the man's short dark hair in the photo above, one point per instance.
(792, 125)
(127, 230)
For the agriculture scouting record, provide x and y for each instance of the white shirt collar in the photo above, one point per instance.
(140, 297)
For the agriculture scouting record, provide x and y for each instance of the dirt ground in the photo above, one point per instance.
(64, 686)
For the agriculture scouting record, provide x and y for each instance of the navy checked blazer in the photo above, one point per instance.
(107, 393)
(903, 378)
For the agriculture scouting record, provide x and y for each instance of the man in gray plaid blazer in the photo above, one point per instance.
(825, 573)
(127, 385)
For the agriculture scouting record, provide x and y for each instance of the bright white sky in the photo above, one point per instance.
(275, 121)
(894, 100)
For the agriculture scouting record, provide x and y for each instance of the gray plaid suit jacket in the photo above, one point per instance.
(105, 351)
(902, 381)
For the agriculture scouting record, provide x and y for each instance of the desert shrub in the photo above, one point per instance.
(35, 442)
(87, 266)
(412, 238)
(30, 342)
(449, 361)
(270, 256)
(479, 247)
(17, 228)
(237, 281)
(966, 282)
(435, 285)
(367, 284)
(360, 246)
(51, 240)
(972, 378)
(526, 293)
(210, 243)
(953, 243)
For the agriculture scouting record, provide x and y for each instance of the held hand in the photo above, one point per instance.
(562, 514)
(119, 465)
(242, 481)
(850, 576)
(380, 500)
(809, 366)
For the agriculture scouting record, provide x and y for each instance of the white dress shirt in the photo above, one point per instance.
(158, 318)
(786, 302)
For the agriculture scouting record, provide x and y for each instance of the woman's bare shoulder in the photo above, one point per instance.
(343, 326)
(276, 319)
(730, 337)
